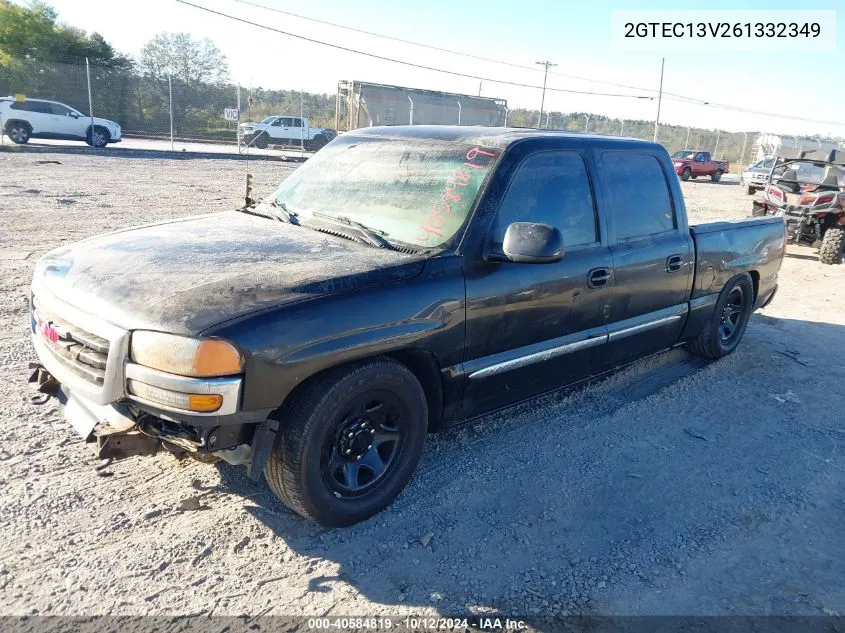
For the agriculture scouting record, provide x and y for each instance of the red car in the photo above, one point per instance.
(691, 164)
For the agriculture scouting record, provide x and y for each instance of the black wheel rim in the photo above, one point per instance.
(363, 446)
(732, 315)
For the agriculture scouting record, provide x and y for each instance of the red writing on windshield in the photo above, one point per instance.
(476, 159)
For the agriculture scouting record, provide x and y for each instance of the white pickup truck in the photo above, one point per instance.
(286, 130)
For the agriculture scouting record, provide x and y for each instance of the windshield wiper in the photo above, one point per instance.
(373, 237)
(283, 213)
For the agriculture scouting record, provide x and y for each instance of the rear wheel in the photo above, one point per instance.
(686, 172)
(723, 332)
(751, 191)
(716, 175)
(18, 131)
(349, 442)
(833, 245)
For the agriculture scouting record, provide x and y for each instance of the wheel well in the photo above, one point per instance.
(10, 121)
(755, 282)
(419, 362)
(97, 127)
(425, 367)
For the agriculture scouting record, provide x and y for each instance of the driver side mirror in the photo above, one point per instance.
(531, 243)
(74, 115)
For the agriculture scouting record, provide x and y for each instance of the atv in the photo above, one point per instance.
(810, 193)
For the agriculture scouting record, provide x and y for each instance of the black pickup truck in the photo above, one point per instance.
(402, 279)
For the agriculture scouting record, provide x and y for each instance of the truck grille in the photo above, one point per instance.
(83, 353)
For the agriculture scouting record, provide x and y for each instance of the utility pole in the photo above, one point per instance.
(659, 98)
(622, 128)
(546, 65)
(587, 124)
(547, 119)
(716, 149)
(479, 88)
(686, 145)
(90, 99)
(742, 153)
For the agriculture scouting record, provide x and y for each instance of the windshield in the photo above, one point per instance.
(414, 191)
(683, 154)
(766, 163)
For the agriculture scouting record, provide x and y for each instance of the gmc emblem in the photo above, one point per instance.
(48, 331)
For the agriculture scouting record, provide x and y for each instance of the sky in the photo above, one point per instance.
(574, 35)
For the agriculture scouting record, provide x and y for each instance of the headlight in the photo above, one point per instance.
(185, 356)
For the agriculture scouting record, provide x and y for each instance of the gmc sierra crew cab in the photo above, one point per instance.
(692, 164)
(402, 279)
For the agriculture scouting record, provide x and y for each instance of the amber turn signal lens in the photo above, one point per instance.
(204, 402)
(216, 357)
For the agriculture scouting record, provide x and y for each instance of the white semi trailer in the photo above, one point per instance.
(364, 104)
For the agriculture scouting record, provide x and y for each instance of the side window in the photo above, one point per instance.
(59, 109)
(278, 122)
(286, 121)
(700, 157)
(296, 122)
(553, 188)
(639, 195)
(32, 106)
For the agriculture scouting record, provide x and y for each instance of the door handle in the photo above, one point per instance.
(598, 277)
(674, 263)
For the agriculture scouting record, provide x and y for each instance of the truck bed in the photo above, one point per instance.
(724, 249)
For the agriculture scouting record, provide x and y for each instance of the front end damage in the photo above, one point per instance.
(84, 363)
(118, 431)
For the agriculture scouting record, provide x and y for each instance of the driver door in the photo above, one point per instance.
(534, 327)
(67, 123)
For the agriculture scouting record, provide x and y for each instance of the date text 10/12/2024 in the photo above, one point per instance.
(417, 623)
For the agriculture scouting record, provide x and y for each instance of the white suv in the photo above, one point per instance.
(36, 118)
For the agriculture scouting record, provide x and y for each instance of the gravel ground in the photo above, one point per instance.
(673, 487)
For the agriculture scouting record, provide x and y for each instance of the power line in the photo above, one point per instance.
(666, 95)
(436, 48)
(406, 63)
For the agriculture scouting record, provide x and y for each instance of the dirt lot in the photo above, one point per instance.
(671, 488)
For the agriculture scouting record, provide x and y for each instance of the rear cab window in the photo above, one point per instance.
(640, 203)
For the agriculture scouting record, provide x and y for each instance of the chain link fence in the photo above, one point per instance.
(142, 105)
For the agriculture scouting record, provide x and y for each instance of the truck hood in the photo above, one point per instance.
(188, 275)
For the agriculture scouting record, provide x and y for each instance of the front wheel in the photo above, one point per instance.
(686, 172)
(750, 191)
(98, 137)
(349, 442)
(723, 332)
(260, 141)
(833, 246)
(716, 176)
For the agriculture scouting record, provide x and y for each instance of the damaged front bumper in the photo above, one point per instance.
(120, 430)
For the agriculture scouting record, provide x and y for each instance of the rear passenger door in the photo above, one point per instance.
(652, 255)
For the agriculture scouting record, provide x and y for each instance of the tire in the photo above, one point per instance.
(686, 172)
(750, 191)
(19, 132)
(260, 141)
(99, 138)
(833, 245)
(716, 176)
(311, 469)
(724, 330)
(319, 142)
